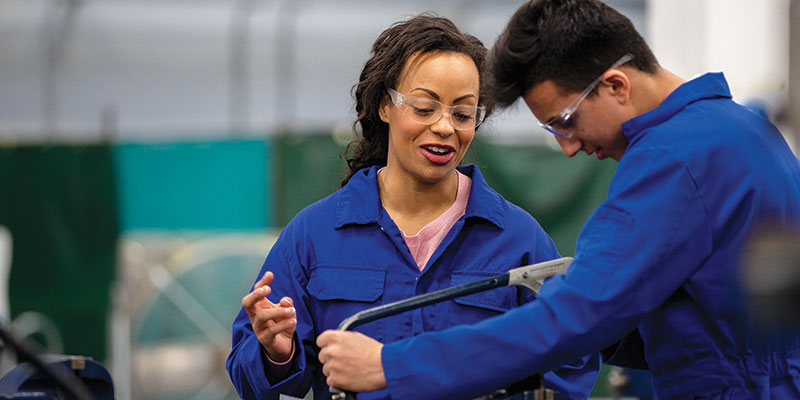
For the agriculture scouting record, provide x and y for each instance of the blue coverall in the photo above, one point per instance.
(658, 259)
(344, 254)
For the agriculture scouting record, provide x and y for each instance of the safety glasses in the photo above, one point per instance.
(561, 124)
(427, 112)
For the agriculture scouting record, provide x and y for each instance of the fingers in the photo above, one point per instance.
(287, 325)
(274, 328)
(327, 342)
(265, 280)
(326, 338)
(261, 290)
(326, 370)
(268, 322)
(264, 318)
(275, 315)
(258, 294)
(273, 324)
(351, 361)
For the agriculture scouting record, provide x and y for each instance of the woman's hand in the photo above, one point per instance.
(273, 324)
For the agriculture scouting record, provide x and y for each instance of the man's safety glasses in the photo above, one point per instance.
(427, 112)
(558, 124)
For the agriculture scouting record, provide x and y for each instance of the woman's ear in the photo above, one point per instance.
(383, 111)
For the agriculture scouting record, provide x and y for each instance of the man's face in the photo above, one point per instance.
(595, 126)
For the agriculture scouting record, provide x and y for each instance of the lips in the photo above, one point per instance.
(438, 153)
(597, 151)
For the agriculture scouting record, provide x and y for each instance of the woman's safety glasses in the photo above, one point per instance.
(427, 112)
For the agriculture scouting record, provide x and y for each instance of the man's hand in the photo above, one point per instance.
(351, 361)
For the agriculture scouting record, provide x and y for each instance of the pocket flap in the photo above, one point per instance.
(499, 299)
(346, 283)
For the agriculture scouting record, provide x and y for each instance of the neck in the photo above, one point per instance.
(657, 87)
(411, 203)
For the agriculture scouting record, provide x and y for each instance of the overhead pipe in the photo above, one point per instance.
(239, 67)
(794, 74)
(285, 57)
(58, 19)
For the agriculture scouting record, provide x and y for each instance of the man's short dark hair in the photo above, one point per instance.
(569, 42)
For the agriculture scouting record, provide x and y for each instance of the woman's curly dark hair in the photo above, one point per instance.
(425, 33)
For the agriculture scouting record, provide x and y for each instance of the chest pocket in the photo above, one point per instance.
(338, 292)
(482, 305)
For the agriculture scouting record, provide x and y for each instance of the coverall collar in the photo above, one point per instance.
(359, 201)
(708, 86)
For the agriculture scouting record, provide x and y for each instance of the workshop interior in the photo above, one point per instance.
(152, 151)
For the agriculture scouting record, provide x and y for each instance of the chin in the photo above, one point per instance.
(438, 174)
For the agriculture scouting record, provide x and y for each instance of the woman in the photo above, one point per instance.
(406, 221)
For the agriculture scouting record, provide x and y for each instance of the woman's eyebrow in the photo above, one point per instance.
(436, 96)
(428, 91)
(464, 98)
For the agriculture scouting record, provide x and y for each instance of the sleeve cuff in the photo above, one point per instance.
(277, 372)
(273, 362)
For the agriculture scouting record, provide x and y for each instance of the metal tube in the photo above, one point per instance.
(529, 276)
(73, 388)
(794, 74)
(438, 296)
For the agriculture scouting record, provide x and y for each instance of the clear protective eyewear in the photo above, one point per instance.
(427, 112)
(563, 119)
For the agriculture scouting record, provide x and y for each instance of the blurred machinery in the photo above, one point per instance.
(629, 384)
(27, 325)
(174, 302)
(56, 377)
(771, 278)
(26, 375)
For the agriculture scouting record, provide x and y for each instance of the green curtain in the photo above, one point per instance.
(558, 191)
(59, 204)
(306, 168)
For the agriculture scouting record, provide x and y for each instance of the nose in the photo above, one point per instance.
(569, 146)
(443, 127)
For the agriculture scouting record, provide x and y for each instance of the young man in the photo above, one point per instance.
(654, 281)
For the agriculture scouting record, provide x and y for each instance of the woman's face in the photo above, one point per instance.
(429, 154)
